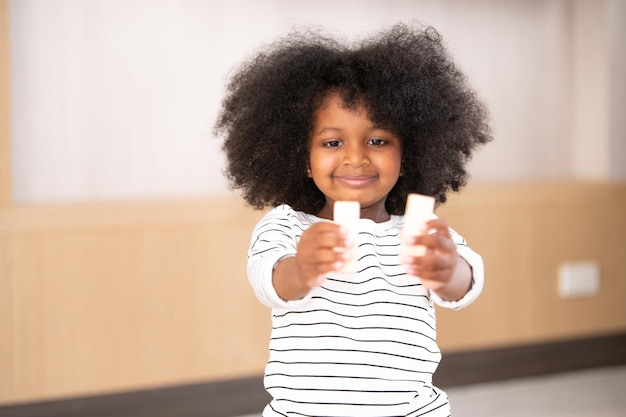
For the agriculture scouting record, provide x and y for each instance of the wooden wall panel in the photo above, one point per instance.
(524, 232)
(148, 302)
(573, 235)
(109, 297)
(7, 321)
(494, 318)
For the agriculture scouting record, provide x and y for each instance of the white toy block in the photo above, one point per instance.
(419, 210)
(347, 214)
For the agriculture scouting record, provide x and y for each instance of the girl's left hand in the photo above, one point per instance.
(436, 267)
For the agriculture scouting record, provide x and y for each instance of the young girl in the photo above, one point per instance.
(308, 122)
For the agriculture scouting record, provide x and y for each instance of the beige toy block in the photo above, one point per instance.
(419, 209)
(347, 214)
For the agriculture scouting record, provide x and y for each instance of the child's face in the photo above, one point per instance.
(353, 160)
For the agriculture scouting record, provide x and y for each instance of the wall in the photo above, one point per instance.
(5, 149)
(124, 93)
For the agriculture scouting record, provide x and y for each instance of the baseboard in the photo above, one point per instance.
(211, 399)
(466, 368)
(247, 396)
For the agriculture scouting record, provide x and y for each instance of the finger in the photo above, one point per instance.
(328, 236)
(327, 227)
(439, 226)
(431, 262)
(437, 263)
(317, 269)
(431, 227)
(442, 242)
(335, 235)
(325, 260)
(440, 275)
(331, 241)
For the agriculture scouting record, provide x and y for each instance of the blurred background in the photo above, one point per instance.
(122, 251)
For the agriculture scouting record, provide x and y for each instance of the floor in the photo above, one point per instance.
(591, 393)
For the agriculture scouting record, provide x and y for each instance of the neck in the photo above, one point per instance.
(377, 212)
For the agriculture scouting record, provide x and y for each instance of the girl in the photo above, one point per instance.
(308, 122)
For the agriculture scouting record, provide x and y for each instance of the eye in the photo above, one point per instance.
(331, 143)
(377, 142)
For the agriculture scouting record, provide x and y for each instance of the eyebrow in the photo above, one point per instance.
(328, 129)
(338, 129)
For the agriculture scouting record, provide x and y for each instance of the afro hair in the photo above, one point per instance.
(404, 79)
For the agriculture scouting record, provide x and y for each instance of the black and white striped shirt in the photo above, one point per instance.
(361, 344)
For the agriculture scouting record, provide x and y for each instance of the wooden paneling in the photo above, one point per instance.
(101, 298)
(496, 317)
(126, 301)
(523, 233)
(7, 323)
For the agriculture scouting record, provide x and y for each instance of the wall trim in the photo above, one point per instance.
(237, 397)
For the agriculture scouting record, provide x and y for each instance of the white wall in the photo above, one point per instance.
(116, 99)
(616, 16)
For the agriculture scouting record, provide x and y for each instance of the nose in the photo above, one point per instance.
(355, 155)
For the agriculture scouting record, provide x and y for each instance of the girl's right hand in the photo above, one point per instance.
(321, 249)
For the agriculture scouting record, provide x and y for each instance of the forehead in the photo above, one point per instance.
(333, 104)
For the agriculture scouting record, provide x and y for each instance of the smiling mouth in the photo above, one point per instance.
(356, 181)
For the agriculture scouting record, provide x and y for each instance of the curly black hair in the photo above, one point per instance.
(406, 82)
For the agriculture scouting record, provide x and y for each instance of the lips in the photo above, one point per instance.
(356, 181)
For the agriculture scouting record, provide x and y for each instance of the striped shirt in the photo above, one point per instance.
(361, 344)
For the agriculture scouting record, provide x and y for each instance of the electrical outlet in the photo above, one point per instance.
(579, 279)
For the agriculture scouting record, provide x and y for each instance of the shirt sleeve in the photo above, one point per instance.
(475, 262)
(274, 238)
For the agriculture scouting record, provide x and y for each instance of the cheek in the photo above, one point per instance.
(399, 165)
(392, 163)
(320, 164)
